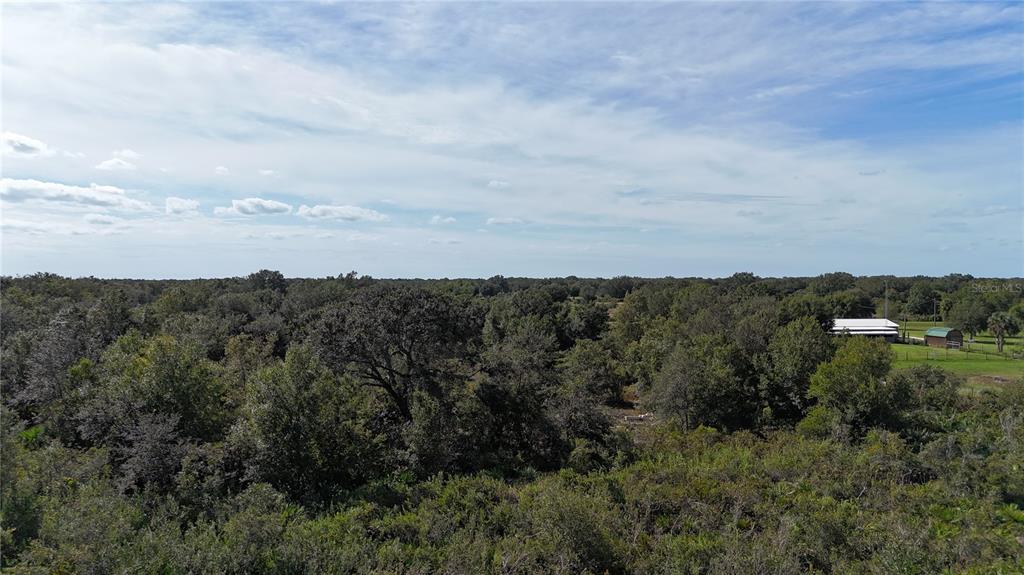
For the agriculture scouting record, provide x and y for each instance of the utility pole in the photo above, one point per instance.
(885, 312)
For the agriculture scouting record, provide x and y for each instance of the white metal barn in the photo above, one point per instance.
(871, 327)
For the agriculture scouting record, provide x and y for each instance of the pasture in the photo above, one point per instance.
(983, 342)
(981, 370)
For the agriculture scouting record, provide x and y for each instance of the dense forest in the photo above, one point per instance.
(356, 425)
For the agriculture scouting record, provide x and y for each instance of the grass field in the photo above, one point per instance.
(983, 342)
(982, 370)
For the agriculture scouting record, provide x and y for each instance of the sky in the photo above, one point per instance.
(523, 139)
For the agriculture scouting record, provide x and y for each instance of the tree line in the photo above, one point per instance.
(348, 424)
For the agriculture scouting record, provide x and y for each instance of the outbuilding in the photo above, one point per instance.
(868, 327)
(944, 337)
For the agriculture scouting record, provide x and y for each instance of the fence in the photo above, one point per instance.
(962, 355)
(981, 351)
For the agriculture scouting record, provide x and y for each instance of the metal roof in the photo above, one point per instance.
(864, 323)
(865, 326)
(939, 331)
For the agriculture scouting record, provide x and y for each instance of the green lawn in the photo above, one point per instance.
(982, 370)
(983, 342)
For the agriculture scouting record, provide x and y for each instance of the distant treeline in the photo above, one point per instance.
(274, 425)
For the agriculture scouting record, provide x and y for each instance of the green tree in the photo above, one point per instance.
(303, 424)
(268, 280)
(586, 320)
(590, 378)
(829, 283)
(968, 314)
(156, 375)
(401, 340)
(1017, 312)
(107, 319)
(853, 385)
(50, 394)
(1001, 325)
(921, 299)
(785, 370)
(933, 398)
(801, 305)
(149, 453)
(699, 385)
(520, 377)
(589, 366)
(447, 433)
(851, 303)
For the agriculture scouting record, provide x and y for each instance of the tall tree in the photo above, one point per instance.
(302, 423)
(1001, 324)
(401, 340)
(590, 378)
(968, 314)
(49, 393)
(520, 376)
(268, 279)
(157, 375)
(794, 353)
(921, 299)
(853, 385)
(699, 385)
(590, 366)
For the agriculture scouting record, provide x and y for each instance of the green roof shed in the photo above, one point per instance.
(943, 337)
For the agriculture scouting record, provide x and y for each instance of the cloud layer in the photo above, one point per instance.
(177, 206)
(646, 138)
(15, 190)
(254, 207)
(24, 146)
(346, 213)
(114, 164)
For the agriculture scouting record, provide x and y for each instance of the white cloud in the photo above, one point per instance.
(253, 207)
(127, 154)
(567, 118)
(101, 219)
(503, 221)
(446, 241)
(115, 164)
(174, 206)
(14, 190)
(347, 213)
(21, 146)
(437, 219)
(267, 172)
(221, 171)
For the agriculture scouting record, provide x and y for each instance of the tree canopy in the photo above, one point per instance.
(265, 424)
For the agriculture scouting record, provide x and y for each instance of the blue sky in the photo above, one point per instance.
(453, 140)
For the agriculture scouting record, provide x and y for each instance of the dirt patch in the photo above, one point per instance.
(978, 383)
